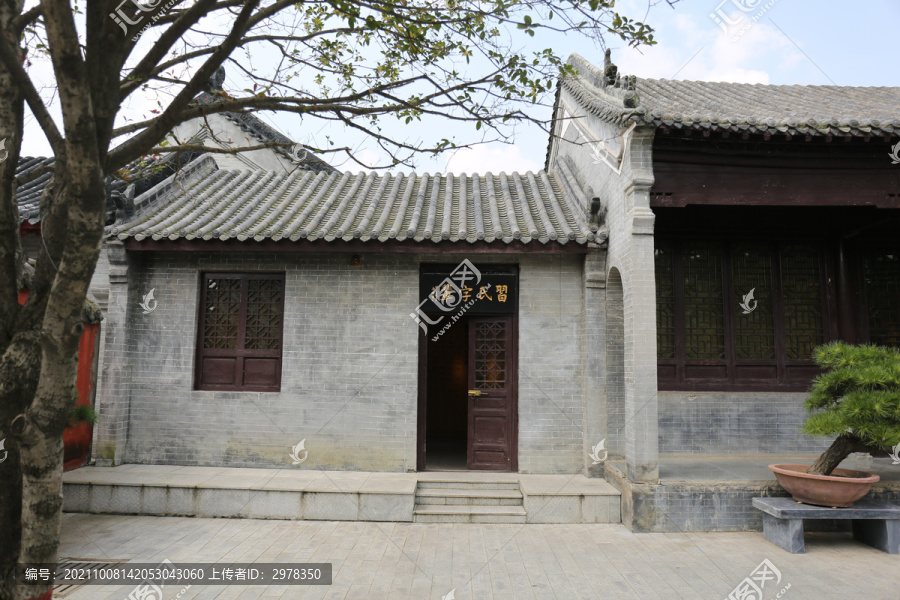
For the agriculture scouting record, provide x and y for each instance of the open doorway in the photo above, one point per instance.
(467, 409)
(446, 400)
(468, 396)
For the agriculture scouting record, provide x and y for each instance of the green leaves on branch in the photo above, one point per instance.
(527, 25)
(858, 393)
(457, 58)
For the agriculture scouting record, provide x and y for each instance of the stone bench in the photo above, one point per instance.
(874, 523)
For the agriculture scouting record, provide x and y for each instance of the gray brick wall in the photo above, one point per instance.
(551, 364)
(348, 368)
(734, 423)
(350, 365)
(615, 363)
(623, 187)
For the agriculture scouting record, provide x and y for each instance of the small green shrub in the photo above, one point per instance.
(82, 414)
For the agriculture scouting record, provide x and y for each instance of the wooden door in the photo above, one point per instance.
(492, 394)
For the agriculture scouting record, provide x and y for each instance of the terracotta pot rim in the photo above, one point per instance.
(850, 475)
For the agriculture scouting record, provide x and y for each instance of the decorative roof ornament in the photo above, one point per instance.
(217, 80)
(610, 71)
(612, 79)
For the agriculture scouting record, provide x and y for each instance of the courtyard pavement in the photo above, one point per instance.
(400, 561)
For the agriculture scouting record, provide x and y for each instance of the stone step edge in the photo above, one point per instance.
(471, 519)
(467, 509)
(472, 485)
(468, 493)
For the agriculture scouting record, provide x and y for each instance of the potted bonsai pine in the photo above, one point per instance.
(857, 399)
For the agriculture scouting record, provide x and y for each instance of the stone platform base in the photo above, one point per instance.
(292, 493)
(715, 493)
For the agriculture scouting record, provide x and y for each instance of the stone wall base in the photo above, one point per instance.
(685, 506)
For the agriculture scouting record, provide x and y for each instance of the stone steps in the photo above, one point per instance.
(475, 497)
(469, 485)
(435, 496)
(449, 513)
(459, 500)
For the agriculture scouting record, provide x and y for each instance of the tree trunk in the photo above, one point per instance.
(20, 369)
(841, 448)
(40, 431)
(19, 347)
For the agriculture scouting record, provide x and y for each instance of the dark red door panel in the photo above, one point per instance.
(492, 372)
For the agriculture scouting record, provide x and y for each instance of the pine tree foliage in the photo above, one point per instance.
(858, 394)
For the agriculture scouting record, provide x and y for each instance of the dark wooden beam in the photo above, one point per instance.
(740, 183)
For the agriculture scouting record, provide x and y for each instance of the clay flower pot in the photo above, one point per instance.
(840, 489)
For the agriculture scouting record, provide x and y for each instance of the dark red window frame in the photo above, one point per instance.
(727, 371)
(240, 332)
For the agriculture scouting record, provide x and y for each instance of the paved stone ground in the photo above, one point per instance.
(399, 561)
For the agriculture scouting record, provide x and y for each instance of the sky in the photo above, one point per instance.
(777, 42)
(801, 42)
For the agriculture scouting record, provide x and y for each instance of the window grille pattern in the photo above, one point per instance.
(222, 312)
(801, 282)
(490, 355)
(240, 331)
(754, 326)
(881, 269)
(713, 335)
(704, 314)
(665, 301)
(264, 301)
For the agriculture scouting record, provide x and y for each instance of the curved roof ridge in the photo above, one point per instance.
(759, 108)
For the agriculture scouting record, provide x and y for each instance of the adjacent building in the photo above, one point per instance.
(650, 298)
(747, 224)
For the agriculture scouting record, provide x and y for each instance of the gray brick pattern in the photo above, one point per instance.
(623, 186)
(551, 365)
(734, 423)
(350, 365)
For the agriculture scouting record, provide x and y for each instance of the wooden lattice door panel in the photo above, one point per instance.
(492, 394)
(240, 331)
(881, 276)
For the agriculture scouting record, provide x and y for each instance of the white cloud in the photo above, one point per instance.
(695, 48)
(493, 158)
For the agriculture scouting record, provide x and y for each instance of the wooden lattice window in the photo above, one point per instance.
(881, 273)
(735, 314)
(490, 355)
(240, 332)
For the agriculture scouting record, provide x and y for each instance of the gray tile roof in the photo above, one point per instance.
(257, 128)
(251, 124)
(208, 203)
(28, 196)
(740, 107)
(146, 175)
(141, 174)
